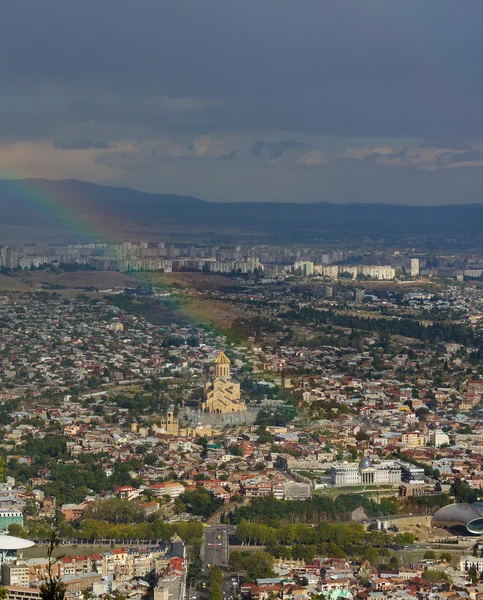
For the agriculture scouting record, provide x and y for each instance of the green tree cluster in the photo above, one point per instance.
(319, 508)
(116, 511)
(195, 568)
(216, 581)
(90, 529)
(69, 482)
(436, 576)
(299, 541)
(198, 502)
(257, 565)
(437, 332)
(463, 492)
(279, 417)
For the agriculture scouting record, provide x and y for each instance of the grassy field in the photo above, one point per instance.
(194, 300)
(216, 313)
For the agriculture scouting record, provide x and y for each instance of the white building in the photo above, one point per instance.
(378, 272)
(381, 472)
(438, 438)
(303, 267)
(171, 489)
(466, 562)
(330, 271)
(373, 271)
(366, 473)
(352, 271)
(414, 267)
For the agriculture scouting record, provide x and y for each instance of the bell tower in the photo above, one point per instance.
(222, 366)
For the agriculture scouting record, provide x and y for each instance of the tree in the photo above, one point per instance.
(446, 556)
(216, 576)
(216, 581)
(116, 510)
(195, 570)
(462, 492)
(430, 555)
(31, 507)
(473, 574)
(52, 587)
(17, 530)
(436, 576)
(236, 561)
(200, 502)
(216, 592)
(256, 564)
(371, 554)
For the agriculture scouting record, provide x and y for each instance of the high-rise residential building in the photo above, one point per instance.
(304, 268)
(3, 256)
(330, 271)
(414, 267)
(11, 260)
(378, 271)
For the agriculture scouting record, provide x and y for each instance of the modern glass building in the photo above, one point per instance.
(467, 517)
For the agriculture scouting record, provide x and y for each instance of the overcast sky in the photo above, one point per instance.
(286, 100)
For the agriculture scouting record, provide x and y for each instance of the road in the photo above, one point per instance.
(216, 552)
(215, 545)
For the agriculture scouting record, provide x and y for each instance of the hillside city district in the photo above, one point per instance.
(193, 422)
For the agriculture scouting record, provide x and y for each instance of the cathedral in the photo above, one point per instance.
(222, 395)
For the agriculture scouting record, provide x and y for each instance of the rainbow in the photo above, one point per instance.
(72, 210)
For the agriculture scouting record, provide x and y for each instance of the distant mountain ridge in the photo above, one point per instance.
(32, 204)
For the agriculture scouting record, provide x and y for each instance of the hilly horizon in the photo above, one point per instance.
(37, 208)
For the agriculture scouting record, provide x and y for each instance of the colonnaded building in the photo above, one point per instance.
(377, 473)
(222, 394)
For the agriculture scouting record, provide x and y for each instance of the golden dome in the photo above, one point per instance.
(222, 359)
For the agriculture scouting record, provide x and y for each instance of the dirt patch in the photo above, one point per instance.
(216, 313)
(79, 279)
(195, 281)
(13, 284)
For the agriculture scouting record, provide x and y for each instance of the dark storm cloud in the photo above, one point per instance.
(276, 149)
(345, 68)
(316, 78)
(81, 145)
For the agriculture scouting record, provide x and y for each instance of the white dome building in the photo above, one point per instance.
(10, 544)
